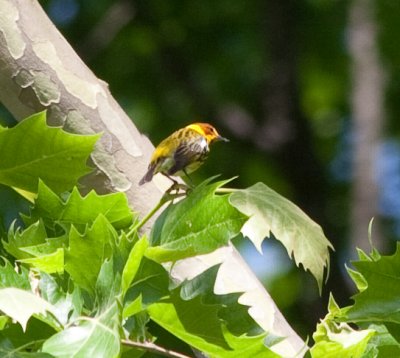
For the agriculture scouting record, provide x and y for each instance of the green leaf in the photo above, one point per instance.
(68, 305)
(81, 211)
(133, 263)
(17, 239)
(208, 333)
(12, 204)
(108, 285)
(16, 343)
(137, 326)
(133, 307)
(32, 150)
(382, 344)
(84, 210)
(380, 296)
(271, 213)
(9, 277)
(245, 346)
(50, 263)
(87, 252)
(50, 246)
(89, 337)
(234, 315)
(150, 284)
(199, 224)
(339, 340)
(181, 318)
(20, 305)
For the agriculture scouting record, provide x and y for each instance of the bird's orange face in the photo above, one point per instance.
(208, 131)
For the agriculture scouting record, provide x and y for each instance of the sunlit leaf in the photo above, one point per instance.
(81, 210)
(88, 251)
(133, 263)
(271, 213)
(334, 339)
(20, 305)
(49, 263)
(379, 299)
(9, 277)
(17, 239)
(199, 224)
(108, 285)
(68, 305)
(32, 150)
(89, 337)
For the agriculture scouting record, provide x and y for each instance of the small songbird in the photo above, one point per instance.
(182, 152)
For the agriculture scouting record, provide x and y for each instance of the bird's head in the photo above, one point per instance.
(208, 131)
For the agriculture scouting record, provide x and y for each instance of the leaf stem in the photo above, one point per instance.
(165, 199)
(154, 348)
(20, 348)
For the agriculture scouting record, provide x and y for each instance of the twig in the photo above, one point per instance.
(165, 199)
(152, 347)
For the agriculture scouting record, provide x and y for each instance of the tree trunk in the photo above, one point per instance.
(367, 103)
(39, 70)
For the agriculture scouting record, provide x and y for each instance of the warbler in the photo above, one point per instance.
(182, 152)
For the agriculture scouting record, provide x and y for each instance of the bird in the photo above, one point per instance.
(183, 152)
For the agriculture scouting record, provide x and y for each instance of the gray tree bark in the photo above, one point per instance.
(367, 105)
(39, 70)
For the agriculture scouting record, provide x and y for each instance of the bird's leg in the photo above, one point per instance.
(175, 185)
(191, 185)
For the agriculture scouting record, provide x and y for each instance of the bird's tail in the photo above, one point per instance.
(148, 176)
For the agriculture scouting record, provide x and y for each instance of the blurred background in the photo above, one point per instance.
(307, 91)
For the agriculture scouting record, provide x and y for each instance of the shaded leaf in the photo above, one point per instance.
(14, 342)
(150, 285)
(208, 333)
(12, 204)
(235, 315)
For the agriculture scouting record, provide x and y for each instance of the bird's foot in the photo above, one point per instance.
(176, 187)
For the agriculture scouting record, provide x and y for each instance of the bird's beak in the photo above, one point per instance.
(222, 139)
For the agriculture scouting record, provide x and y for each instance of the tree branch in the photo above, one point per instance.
(154, 348)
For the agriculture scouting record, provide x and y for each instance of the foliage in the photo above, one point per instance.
(77, 267)
(270, 213)
(24, 158)
(370, 327)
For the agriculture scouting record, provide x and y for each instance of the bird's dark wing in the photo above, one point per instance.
(188, 153)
